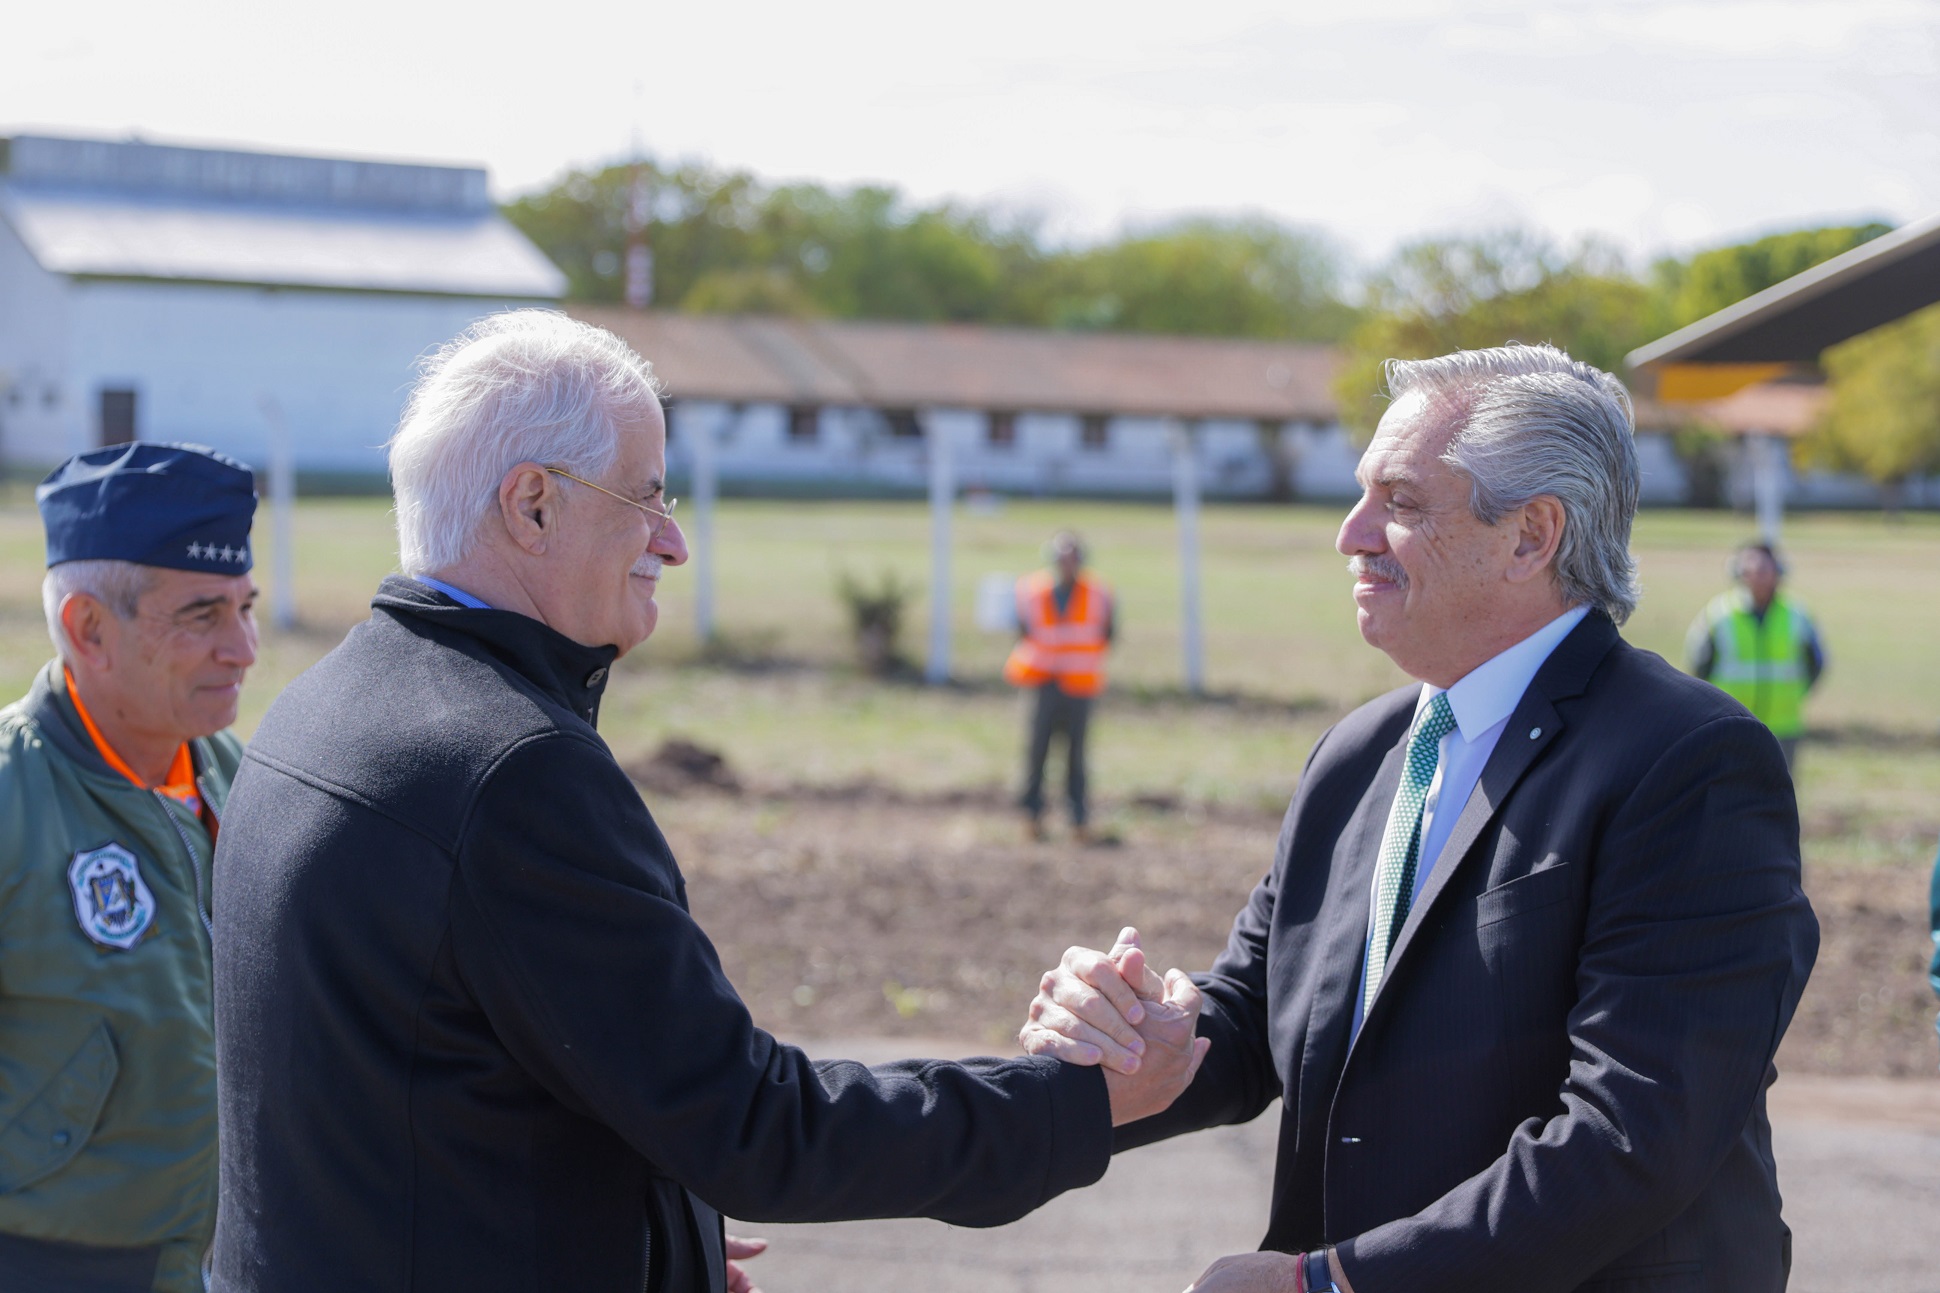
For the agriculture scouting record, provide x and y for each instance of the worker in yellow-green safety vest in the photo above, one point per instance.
(1759, 647)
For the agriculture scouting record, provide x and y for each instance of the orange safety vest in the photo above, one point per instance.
(1067, 649)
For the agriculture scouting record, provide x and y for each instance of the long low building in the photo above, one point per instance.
(817, 405)
(837, 406)
(226, 297)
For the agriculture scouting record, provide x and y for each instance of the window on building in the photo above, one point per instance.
(903, 424)
(1000, 432)
(1095, 433)
(804, 423)
(117, 416)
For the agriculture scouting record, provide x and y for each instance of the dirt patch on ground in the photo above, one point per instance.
(1868, 1009)
(861, 911)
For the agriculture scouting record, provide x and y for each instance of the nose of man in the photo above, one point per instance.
(670, 545)
(237, 645)
(1360, 533)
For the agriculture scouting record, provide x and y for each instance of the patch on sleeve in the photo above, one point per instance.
(111, 900)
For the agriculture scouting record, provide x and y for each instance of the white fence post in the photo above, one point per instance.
(1768, 483)
(704, 431)
(1185, 501)
(942, 501)
(282, 510)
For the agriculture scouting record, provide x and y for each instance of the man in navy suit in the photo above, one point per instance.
(1534, 928)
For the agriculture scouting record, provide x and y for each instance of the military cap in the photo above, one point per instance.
(178, 506)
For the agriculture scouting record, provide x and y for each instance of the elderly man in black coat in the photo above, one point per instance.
(468, 1036)
(1535, 926)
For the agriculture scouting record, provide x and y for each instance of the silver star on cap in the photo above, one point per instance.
(195, 552)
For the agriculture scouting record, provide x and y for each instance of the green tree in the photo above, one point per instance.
(725, 243)
(1440, 295)
(1689, 290)
(1209, 277)
(1884, 416)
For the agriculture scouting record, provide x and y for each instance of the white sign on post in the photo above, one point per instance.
(997, 604)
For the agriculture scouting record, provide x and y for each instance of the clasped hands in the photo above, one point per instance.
(1112, 1009)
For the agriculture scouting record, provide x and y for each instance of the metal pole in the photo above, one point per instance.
(942, 499)
(703, 430)
(1185, 502)
(1768, 483)
(282, 509)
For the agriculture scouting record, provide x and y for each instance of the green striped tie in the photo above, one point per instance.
(1394, 875)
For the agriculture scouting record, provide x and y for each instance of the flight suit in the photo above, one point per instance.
(107, 1041)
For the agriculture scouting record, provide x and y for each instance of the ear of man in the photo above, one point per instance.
(84, 618)
(1539, 526)
(528, 502)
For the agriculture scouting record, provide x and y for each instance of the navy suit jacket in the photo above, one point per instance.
(1561, 1084)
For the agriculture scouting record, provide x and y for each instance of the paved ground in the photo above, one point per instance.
(1859, 1164)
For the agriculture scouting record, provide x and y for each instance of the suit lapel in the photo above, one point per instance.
(1532, 728)
(1343, 938)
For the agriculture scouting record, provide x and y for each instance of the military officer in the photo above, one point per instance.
(113, 772)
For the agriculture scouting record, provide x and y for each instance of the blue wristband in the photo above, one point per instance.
(1320, 1276)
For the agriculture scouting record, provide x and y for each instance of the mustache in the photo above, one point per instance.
(1378, 567)
(648, 567)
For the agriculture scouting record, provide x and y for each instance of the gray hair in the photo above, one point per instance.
(1533, 421)
(118, 585)
(523, 386)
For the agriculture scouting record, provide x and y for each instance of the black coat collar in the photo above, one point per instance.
(573, 674)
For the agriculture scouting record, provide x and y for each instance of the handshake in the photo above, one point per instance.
(1112, 1009)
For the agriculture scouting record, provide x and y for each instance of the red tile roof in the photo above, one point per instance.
(913, 365)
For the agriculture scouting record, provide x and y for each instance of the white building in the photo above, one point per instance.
(169, 293)
(793, 405)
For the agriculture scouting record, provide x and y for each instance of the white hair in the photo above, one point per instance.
(118, 585)
(1533, 421)
(523, 386)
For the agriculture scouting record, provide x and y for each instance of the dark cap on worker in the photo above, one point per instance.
(177, 506)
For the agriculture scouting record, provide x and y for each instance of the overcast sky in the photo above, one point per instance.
(1660, 125)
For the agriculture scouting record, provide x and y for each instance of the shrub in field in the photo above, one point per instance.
(876, 618)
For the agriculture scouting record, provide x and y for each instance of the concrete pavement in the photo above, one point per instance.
(1859, 1164)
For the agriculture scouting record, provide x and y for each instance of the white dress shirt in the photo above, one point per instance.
(1481, 701)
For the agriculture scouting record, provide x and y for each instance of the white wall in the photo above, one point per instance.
(37, 397)
(201, 359)
(853, 449)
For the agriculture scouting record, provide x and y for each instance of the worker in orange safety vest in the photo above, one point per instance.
(1065, 623)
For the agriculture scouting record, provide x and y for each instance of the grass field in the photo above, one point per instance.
(875, 831)
(1283, 656)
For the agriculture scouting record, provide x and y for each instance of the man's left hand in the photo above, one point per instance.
(738, 1251)
(1252, 1273)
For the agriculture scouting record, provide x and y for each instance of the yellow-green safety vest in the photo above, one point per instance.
(1760, 663)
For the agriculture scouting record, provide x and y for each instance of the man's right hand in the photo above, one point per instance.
(1110, 1008)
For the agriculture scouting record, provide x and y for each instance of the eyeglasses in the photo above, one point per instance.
(665, 514)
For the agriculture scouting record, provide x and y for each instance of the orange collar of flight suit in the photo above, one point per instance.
(179, 785)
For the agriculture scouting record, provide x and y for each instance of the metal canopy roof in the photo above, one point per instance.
(1792, 322)
(915, 365)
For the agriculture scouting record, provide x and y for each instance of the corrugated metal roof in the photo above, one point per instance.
(236, 175)
(131, 209)
(911, 365)
(116, 236)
